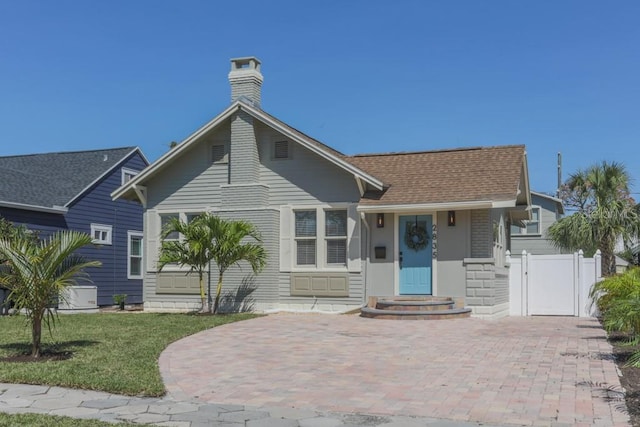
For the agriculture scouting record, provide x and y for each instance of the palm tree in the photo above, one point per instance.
(194, 248)
(604, 213)
(209, 238)
(36, 271)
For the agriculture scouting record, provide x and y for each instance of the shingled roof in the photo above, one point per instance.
(54, 179)
(445, 176)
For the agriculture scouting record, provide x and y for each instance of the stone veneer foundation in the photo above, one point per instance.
(487, 288)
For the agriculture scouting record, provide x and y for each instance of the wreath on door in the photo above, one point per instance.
(415, 237)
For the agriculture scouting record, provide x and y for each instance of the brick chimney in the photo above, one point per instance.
(245, 79)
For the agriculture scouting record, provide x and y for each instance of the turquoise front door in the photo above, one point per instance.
(415, 254)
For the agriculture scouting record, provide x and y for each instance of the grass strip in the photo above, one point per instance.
(112, 352)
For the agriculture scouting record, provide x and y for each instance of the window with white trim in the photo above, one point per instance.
(174, 236)
(532, 226)
(305, 237)
(165, 219)
(101, 234)
(320, 238)
(191, 216)
(134, 254)
(128, 175)
(336, 236)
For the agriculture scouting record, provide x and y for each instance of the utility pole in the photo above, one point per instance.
(559, 174)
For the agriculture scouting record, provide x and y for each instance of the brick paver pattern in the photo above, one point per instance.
(524, 371)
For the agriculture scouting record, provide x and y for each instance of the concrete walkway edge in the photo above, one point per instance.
(112, 408)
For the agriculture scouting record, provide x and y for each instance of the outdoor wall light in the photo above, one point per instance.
(380, 220)
(451, 218)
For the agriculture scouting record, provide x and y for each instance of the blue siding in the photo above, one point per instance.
(96, 206)
(43, 223)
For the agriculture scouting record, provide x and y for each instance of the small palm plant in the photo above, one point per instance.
(210, 239)
(36, 271)
(618, 300)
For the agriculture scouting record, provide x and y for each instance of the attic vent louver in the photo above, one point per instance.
(218, 154)
(281, 150)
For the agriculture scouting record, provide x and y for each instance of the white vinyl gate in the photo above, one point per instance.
(552, 284)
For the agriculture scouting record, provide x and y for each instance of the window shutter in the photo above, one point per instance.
(285, 238)
(152, 237)
(353, 234)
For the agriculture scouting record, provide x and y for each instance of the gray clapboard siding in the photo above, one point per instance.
(306, 178)
(481, 239)
(193, 182)
(502, 285)
(192, 179)
(266, 283)
(537, 244)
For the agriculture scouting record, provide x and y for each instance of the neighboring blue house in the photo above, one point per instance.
(71, 190)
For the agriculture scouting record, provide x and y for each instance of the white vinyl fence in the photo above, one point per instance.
(552, 284)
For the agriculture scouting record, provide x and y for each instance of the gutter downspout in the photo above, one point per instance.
(363, 217)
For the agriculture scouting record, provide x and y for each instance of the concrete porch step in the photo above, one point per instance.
(415, 308)
(421, 305)
(453, 313)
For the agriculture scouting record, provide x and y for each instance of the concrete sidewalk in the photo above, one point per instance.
(540, 371)
(15, 398)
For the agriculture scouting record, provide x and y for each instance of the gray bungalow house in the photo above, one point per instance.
(338, 229)
(48, 192)
(531, 235)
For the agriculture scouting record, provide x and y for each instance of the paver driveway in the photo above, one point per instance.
(524, 371)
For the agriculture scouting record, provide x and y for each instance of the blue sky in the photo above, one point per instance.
(361, 76)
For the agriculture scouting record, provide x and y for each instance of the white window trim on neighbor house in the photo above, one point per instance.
(105, 236)
(523, 232)
(130, 236)
(128, 175)
(288, 239)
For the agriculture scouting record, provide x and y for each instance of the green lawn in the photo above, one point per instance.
(116, 352)
(38, 420)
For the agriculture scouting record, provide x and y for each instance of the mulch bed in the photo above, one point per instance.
(630, 379)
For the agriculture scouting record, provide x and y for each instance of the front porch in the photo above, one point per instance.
(462, 259)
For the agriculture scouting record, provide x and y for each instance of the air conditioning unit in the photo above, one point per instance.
(79, 299)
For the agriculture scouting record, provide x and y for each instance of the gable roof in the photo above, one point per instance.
(557, 201)
(50, 182)
(470, 177)
(480, 177)
(295, 135)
